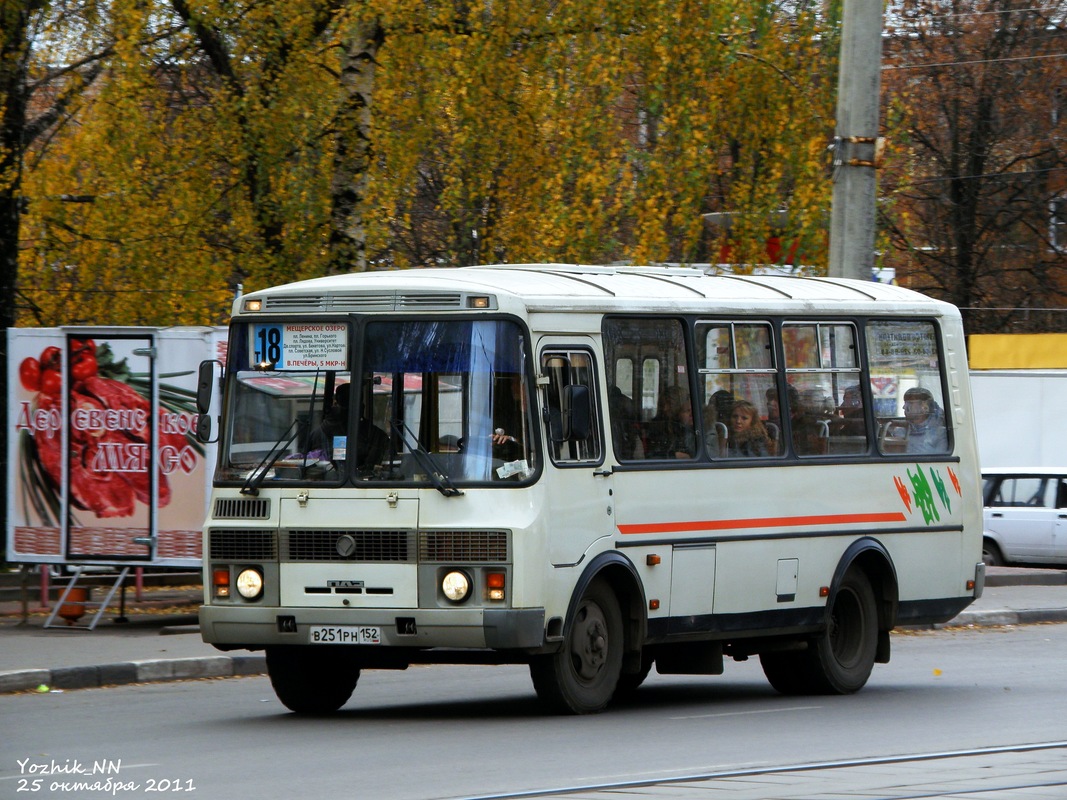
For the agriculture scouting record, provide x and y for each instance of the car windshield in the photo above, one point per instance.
(439, 402)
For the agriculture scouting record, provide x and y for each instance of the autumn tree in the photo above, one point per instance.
(257, 143)
(51, 53)
(977, 180)
(578, 136)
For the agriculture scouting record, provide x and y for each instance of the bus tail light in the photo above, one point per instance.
(220, 579)
(494, 583)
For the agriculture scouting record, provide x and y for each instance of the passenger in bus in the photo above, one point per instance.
(926, 422)
(850, 420)
(371, 441)
(717, 421)
(624, 426)
(719, 408)
(748, 437)
(670, 432)
(774, 409)
(371, 446)
(809, 431)
(509, 413)
(334, 424)
(773, 424)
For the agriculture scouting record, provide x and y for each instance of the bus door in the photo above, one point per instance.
(577, 483)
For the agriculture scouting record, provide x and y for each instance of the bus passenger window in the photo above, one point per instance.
(646, 360)
(739, 382)
(826, 414)
(906, 384)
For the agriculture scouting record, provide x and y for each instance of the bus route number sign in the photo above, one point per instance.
(301, 345)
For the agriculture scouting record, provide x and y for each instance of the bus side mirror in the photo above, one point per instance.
(205, 386)
(203, 428)
(577, 412)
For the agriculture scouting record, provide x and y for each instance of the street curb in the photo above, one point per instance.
(995, 617)
(1009, 576)
(126, 672)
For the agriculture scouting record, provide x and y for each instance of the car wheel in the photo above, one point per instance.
(991, 555)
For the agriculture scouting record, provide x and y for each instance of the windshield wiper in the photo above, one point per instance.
(440, 480)
(256, 476)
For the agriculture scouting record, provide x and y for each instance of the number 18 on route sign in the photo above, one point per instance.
(301, 345)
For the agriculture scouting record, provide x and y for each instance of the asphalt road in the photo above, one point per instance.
(450, 732)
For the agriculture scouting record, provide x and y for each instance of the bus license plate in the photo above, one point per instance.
(344, 634)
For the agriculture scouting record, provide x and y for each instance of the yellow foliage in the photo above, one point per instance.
(515, 131)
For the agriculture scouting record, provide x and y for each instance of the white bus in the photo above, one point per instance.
(590, 470)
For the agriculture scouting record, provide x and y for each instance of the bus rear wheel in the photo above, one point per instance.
(310, 681)
(581, 678)
(841, 659)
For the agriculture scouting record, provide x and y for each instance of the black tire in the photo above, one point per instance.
(582, 677)
(309, 680)
(630, 681)
(788, 671)
(991, 555)
(841, 659)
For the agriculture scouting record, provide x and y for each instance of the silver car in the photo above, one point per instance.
(1025, 516)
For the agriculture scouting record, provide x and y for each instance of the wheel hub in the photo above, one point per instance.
(590, 644)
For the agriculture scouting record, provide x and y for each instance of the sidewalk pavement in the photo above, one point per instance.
(161, 640)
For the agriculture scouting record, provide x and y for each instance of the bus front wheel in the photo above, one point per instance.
(581, 678)
(841, 659)
(311, 681)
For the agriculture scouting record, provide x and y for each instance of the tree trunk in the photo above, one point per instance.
(355, 151)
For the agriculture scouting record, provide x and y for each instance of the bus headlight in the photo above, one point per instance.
(456, 586)
(250, 583)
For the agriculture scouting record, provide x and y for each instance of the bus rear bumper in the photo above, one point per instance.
(234, 628)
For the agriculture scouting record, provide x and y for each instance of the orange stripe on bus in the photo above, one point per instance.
(760, 522)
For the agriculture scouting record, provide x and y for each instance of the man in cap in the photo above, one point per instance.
(927, 433)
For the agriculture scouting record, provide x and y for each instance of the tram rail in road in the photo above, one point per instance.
(1034, 771)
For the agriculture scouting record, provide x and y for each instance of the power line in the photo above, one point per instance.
(951, 14)
(944, 178)
(888, 67)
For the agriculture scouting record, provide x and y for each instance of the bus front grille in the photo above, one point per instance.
(241, 545)
(397, 547)
(242, 508)
(479, 547)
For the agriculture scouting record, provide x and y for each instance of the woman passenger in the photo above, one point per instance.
(747, 437)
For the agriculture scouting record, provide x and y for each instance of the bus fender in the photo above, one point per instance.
(870, 555)
(621, 575)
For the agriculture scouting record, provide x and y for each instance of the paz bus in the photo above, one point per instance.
(595, 471)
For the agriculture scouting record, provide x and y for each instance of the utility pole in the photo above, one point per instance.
(857, 146)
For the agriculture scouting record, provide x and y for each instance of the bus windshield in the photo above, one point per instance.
(438, 402)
